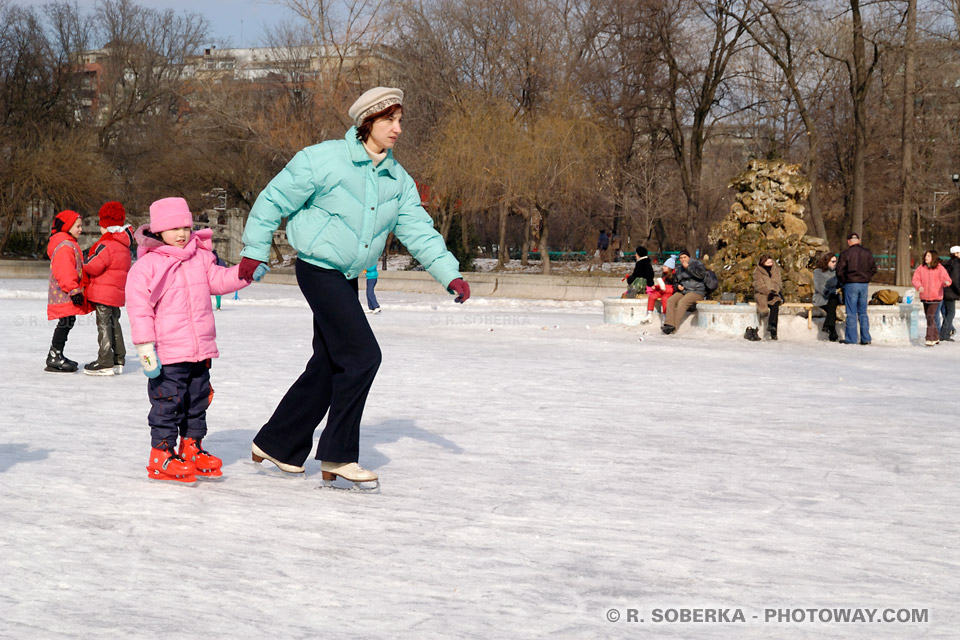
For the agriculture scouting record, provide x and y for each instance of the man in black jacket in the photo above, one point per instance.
(855, 270)
(951, 294)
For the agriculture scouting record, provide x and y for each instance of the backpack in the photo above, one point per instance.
(710, 282)
(885, 296)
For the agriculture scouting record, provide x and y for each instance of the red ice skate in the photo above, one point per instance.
(207, 465)
(166, 465)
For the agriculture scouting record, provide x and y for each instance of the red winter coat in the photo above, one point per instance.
(107, 264)
(66, 277)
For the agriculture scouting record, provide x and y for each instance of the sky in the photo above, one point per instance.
(240, 22)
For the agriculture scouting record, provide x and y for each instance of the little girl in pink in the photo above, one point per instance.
(171, 319)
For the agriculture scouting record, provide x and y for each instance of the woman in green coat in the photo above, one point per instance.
(341, 199)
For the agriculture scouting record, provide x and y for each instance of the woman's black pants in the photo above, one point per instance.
(337, 378)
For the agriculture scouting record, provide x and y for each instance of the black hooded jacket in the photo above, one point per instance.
(643, 268)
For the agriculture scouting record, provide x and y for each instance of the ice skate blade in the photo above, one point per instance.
(276, 472)
(214, 475)
(99, 372)
(153, 474)
(365, 487)
(55, 370)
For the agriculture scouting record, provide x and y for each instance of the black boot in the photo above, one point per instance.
(103, 365)
(58, 363)
(95, 368)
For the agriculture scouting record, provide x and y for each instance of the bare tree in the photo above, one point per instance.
(698, 38)
(906, 161)
(778, 27)
(142, 65)
(860, 68)
(44, 158)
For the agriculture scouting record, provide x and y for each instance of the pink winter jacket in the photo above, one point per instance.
(168, 296)
(932, 280)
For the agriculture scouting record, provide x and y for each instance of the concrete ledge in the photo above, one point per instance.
(514, 285)
(888, 323)
(24, 268)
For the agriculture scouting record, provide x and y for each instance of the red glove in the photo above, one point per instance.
(247, 267)
(461, 288)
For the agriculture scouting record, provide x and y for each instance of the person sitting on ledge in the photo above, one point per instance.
(690, 290)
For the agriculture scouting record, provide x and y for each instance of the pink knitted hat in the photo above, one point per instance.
(170, 213)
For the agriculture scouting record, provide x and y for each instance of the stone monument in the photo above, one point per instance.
(766, 218)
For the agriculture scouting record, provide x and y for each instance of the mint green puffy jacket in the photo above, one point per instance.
(340, 209)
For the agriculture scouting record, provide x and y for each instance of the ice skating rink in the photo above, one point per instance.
(543, 476)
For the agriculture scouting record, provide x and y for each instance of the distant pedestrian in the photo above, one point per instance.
(929, 280)
(826, 292)
(371, 276)
(951, 294)
(603, 245)
(220, 262)
(768, 292)
(855, 269)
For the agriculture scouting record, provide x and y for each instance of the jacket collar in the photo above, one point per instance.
(359, 155)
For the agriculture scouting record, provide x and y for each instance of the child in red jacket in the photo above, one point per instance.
(65, 299)
(107, 264)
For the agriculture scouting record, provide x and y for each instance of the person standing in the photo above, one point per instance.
(603, 244)
(173, 328)
(107, 264)
(930, 279)
(371, 275)
(690, 290)
(65, 295)
(825, 292)
(855, 269)
(768, 292)
(951, 294)
(341, 200)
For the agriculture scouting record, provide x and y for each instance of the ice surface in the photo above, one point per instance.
(538, 469)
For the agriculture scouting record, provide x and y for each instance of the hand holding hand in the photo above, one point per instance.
(461, 288)
(149, 360)
(249, 268)
(77, 298)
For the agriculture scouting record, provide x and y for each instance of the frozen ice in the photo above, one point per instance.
(532, 481)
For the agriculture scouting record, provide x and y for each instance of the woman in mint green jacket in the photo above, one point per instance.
(341, 199)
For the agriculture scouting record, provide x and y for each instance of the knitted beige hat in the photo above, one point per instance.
(373, 101)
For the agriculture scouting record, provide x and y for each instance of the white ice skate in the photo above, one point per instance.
(646, 317)
(373, 311)
(258, 455)
(362, 479)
